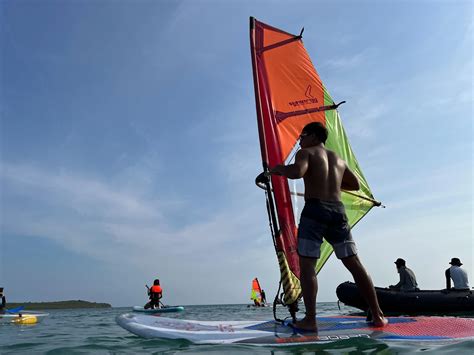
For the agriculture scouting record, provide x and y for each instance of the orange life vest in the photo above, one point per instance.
(156, 289)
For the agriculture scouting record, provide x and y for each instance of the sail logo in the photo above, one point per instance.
(310, 99)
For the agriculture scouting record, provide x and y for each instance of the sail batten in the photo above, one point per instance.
(276, 45)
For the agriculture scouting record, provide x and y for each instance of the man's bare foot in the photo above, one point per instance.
(379, 321)
(307, 323)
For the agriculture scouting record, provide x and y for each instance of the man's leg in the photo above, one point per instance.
(309, 287)
(366, 288)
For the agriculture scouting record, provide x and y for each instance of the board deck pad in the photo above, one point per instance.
(420, 329)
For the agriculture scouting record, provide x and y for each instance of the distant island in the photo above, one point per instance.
(58, 305)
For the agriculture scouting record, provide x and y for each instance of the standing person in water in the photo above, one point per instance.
(324, 175)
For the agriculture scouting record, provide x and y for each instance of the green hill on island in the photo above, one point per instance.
(58, 305)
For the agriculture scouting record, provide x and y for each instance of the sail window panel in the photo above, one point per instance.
(290, 129)
(296, 187)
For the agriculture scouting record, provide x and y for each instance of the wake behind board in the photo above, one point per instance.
(418, 329)
(166, 309)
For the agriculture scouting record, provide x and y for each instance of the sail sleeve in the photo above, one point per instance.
(289, 94)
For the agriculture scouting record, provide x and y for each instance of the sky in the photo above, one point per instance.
(129, 143)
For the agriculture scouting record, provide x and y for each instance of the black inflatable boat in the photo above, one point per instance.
(410, 302)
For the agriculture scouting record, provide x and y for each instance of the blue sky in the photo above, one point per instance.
(129, 143)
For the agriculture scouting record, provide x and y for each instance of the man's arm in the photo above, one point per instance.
(295, 170)
(398, 286)
(349, 181)
(447, 273)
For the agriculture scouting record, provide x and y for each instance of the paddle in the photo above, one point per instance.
(14, 310)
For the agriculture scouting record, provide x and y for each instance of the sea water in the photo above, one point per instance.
(83, 331)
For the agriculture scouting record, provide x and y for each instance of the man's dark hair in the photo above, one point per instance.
(318, 129)
(156, 282)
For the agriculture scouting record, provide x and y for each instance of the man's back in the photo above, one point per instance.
(407, 279)
(326, 174)
(459, 277)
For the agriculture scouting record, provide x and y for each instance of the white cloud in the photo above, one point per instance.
(85, 195)
(90, 217)
(349, 62)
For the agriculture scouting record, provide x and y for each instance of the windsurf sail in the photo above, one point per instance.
(256, 292)
(290, 94)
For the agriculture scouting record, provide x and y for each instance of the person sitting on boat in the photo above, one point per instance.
(156, 293)
(458, 275)
(407, 277)
(4, 301)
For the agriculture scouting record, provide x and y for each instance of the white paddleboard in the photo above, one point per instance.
(419, 329)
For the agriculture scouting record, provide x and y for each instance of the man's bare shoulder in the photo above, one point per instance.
(304, 153)
(330, 152)
(334, 156)
(315, 150)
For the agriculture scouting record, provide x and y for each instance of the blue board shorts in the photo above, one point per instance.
(326, 219)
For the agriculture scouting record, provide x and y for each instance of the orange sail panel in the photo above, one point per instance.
(256, 292)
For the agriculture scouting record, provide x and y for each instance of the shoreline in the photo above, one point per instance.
(58, 305)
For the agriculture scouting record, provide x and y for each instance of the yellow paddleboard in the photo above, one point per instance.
(25, 319)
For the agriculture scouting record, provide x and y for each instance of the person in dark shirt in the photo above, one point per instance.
(264, 297)
(407, 277)
(4, 301)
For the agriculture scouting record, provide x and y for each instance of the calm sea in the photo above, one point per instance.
(85, 331)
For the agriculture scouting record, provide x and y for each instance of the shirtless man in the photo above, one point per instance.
(324, 175)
